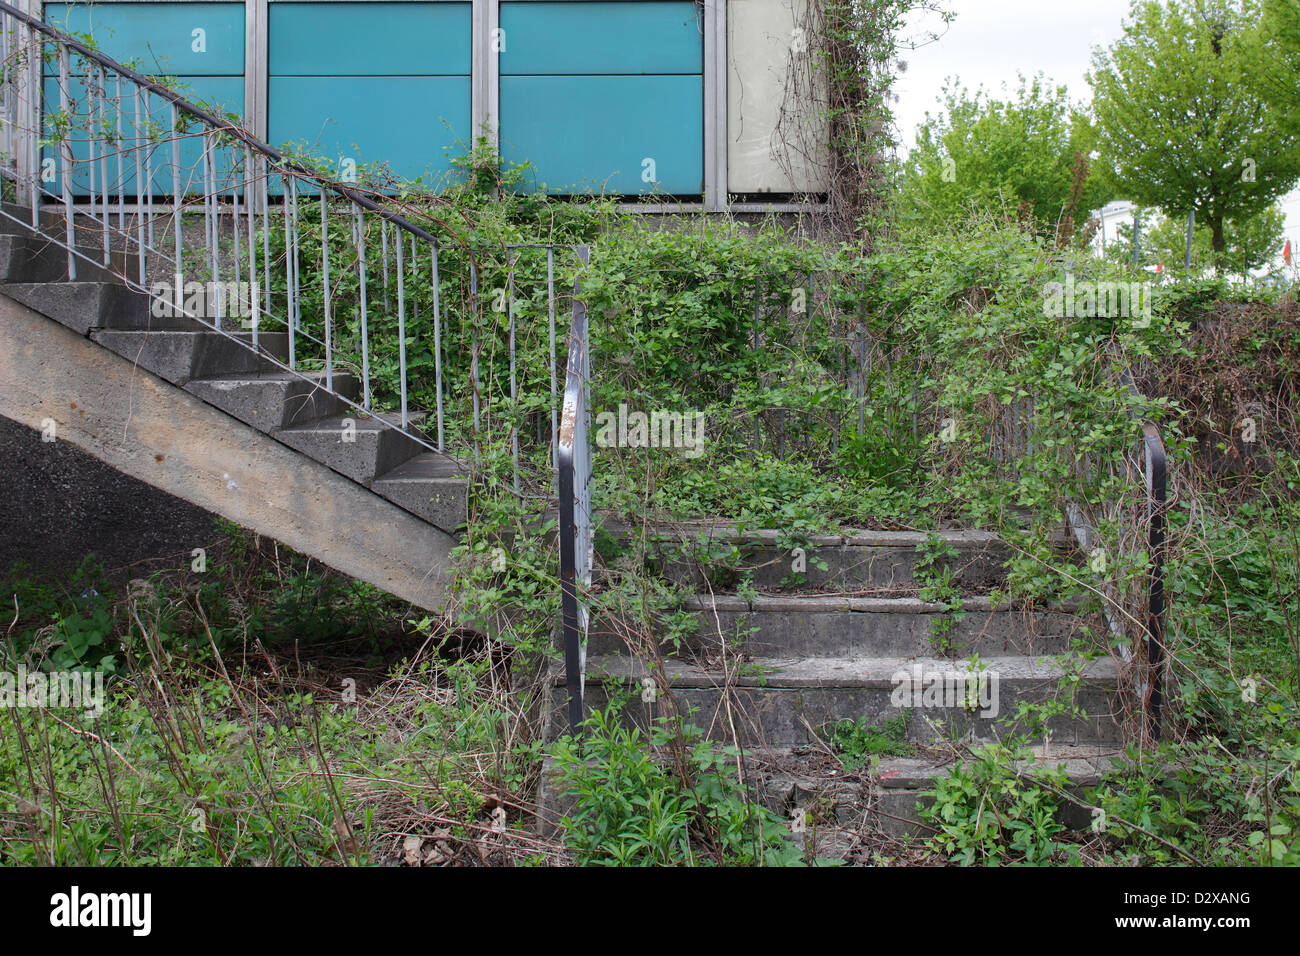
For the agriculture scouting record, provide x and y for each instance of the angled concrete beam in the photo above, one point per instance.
(162, 435)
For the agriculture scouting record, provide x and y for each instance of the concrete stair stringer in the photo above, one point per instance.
(144, 427)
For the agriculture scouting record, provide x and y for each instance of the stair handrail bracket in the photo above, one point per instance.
(573, 479)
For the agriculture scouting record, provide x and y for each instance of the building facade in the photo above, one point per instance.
(706, 104)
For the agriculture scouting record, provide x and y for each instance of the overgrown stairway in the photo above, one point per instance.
(774, 658)
(270, 449)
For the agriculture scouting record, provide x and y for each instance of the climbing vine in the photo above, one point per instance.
(836, 119)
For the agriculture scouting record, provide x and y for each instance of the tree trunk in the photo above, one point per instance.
(1219, 243)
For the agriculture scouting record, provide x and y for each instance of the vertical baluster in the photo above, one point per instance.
(92, 108)
(35, 55)
(415, 299)
(401, 329)
(101, 99)
(473, 361)
(236, 307)
(176, 208)
(137, 148)
(359, 232)
(325, 276)
(11, 89)
(437, 341)
(295, 297)
(66, 160)
(147, 146)
(264, 187)
(8, 88)
(383, 251)
(550, 310)
(210, 217)
(121, 178)
(288, 271)
(514, 384)
(250, 205)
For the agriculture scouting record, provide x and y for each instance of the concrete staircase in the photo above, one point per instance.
(89, 356)
(769, 666)
(774, 668)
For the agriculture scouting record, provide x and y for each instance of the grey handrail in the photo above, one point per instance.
(207, 118)
(573, 455)
(1157, 478)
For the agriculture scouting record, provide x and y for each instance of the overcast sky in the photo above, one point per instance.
(991, 40)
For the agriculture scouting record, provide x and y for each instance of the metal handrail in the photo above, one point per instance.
(208, 119)
(233, 179)
(1157, 477)
(573, 476)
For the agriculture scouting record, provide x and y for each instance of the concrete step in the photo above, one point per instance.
(33, 258)
(704, 555)
(88, 234)
(884, 795)
(776, 702)
(180, 357)
(353, 445)
(82, 306)
(430, 485)
(887, 795)
(816, 626)
(276, 400)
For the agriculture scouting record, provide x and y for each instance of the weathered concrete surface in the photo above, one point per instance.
(375, 448)
(886, 798)
(431, 486)
(814, 626)
(715, 555)
(171, 440)
(83, 305)
(274, 399)
(781, 703)
(178, 357)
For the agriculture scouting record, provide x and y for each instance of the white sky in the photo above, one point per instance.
(991, 40)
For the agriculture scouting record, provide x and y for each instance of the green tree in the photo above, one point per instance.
(1181, 125)
(1276, 71)
(1029, 154)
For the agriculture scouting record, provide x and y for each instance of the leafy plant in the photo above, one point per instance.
(631, 808)
(857, 742)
